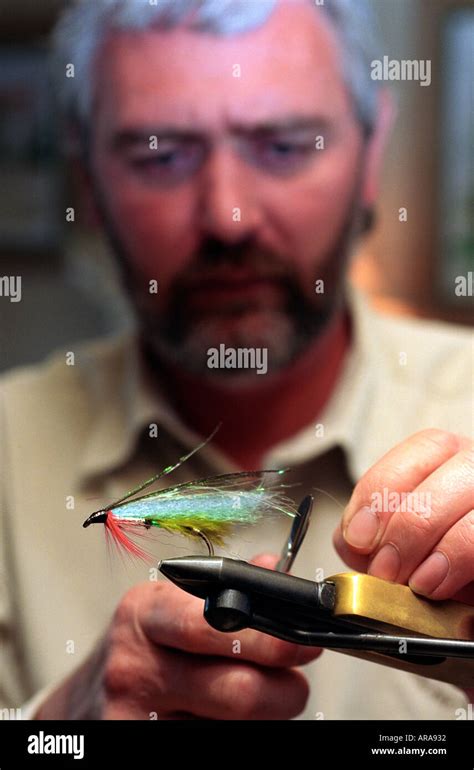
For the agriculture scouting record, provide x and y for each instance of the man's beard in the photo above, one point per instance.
(284, 329)
(185, 330)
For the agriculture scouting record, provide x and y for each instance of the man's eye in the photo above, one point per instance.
(157, 159)
(284, 148)
(173, 165)
(164, 159)
(283, 155)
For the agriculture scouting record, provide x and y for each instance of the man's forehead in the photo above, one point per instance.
(295, 34)
(179, 74)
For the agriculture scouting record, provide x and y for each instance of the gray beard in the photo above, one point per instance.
(283, 333)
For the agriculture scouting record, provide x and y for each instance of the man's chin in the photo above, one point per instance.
(231, 349)
(252, 328)
(211, 344)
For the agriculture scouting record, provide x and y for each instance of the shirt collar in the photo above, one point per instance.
(123, 404)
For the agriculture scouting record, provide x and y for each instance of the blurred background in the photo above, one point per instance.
(69, 290)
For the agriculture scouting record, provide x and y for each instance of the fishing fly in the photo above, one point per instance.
(207, 509)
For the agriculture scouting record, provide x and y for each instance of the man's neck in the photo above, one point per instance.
(256, 418)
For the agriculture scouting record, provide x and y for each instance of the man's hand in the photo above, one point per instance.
(160, 659)
(411, 518)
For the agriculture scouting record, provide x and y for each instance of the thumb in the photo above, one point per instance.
(266, 560)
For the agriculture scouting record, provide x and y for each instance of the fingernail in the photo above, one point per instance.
(361, 532)
(386, 564)
(430, 574)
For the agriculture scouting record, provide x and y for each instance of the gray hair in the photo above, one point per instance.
(83, 27)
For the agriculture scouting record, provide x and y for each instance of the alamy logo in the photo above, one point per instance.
(10, 286)
(390, 501)
(44, 743)
(238, 358)
(10, 714)
(402, 69)
(464, 285)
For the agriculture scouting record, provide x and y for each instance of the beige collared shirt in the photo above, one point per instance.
(75, 434)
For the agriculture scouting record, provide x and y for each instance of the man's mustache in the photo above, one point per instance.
(217, 262)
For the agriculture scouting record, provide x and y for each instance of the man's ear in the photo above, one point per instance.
(386, 115)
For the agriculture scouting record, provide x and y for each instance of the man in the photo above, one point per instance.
(232, 151)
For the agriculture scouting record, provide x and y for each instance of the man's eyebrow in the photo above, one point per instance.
(127, 138)
(130, 137)
(291, 123)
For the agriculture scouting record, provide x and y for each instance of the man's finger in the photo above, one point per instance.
(356, 561)
(265, 560)
(214, 689)
(441, 501)
(379, 492)
(450, 566)
(176, 620)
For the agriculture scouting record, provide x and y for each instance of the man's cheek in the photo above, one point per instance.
(313, 226)
(156, 250)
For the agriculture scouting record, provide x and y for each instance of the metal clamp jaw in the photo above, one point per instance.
(356, 614)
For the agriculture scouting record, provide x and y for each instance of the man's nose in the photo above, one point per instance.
(228, 203)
